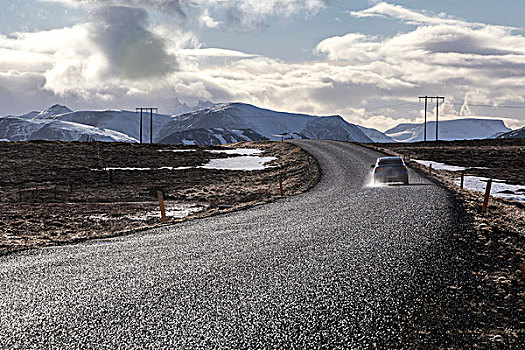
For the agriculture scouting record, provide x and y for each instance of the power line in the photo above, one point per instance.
(150, 109)
(489, 106)
(426, 98)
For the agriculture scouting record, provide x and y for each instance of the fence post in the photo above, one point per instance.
(487, 195)
(462, 179)
(162, 208)
(309, 177)
(281, 191)
(430, 170)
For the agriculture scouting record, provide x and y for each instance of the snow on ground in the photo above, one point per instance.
(443, 166)
(439, 166)
(247, 163)
(145, 169)
(248, 159)
(499, 188)
(177, 150)
(239, 151)
(173, 210)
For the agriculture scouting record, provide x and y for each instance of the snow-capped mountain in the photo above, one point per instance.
(213, 136)
(458, 129)
(125, 122)
(20, 129)
(514, 134)
(266, 123)
(221, 123)
(51, 112)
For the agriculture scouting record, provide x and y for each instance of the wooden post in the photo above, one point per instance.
(281, 191)
(430, 170)
(404, 158)
(487, 195)
(161, 204)
(347, 138)
(462, 179)
(309, 177)
(298, 150)
(282, 139)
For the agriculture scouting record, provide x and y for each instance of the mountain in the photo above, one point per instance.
(125, 122)
(217, 123)
(376, 135)
(458, 129)
(51, 112)
(212, 136)
(514, 134)
(266, 123)
(20, 129)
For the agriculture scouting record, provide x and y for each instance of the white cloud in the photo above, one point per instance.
(207, 21)
(98, 63)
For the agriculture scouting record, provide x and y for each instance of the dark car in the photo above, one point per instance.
(390, 169)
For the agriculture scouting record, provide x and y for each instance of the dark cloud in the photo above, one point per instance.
(132, 50)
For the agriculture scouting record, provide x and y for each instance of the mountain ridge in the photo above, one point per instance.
(456, 129)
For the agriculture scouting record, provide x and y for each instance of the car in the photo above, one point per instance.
(390, 169)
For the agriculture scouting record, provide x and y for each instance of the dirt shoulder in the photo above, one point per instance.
(61, 192)
(496, 244)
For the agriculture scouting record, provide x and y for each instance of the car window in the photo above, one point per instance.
(390, 161)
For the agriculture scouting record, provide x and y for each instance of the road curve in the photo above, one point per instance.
(343, 265)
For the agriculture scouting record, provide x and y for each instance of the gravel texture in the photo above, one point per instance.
(340, 266)
(495, 290)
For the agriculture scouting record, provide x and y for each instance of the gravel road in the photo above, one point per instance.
(341, 266)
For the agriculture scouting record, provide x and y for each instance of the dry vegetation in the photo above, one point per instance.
(58, 192)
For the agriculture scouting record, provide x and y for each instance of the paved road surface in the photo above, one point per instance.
(344, 265)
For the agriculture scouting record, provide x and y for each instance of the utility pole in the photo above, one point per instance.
(146, 109)
(431, 98)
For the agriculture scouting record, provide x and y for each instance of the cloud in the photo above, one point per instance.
(244, 15)
(117, 59)
(169, 7)
(441, 55)
(132, 51)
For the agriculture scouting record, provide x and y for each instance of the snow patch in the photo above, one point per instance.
(188, 142)
(444, 166)
(499, 187)
(177, 150)
(173, 210)
(246, 163)
(145, 169)
(238, 151)
(440, 166)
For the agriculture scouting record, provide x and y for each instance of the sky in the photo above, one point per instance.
(367, 61)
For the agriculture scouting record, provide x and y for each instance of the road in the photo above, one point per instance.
(343, 265)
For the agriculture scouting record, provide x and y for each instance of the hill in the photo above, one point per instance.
(458, 129)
